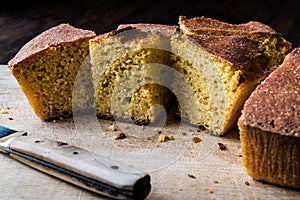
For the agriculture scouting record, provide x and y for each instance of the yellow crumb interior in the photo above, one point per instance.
(48, 79)
(127, 78)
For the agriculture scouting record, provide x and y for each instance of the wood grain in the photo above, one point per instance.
(170, 165)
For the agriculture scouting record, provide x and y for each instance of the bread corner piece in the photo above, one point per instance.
(224, 63)
(269, 126)
(130, 72)
(46, 69)
(276, 46)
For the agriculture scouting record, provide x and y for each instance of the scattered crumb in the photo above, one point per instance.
(126, 126)
(10, 118)
(222, 146)
(210, 191)
(240, 154)
(191, 176)
(247, 183)
(216, 181)
(4, 111)
(184, 133)
(54, 121)
(112, 127)
(143, 127)
(163, 138)
(119, 136)
(180, 189)
(196, 139)
(157, 130)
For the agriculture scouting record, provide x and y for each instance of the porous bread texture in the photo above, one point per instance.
(46, 69)
(212, 75)
(129, 75)
(269, 126)
(219, 82)
(276, 47)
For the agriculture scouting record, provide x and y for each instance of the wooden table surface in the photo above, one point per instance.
(179, 169)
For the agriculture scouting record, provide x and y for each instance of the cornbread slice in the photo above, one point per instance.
(129, 74)
(270, 126)
(221, 72)
(46, 69)
(276, 47)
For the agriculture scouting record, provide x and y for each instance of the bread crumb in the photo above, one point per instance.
(247, 183)
(196, 139)
(157, 130)
(216, 181)
(163, 138)
(240, 154)
(4, 111)
(222, 146)
(112, 127)
(210, 191)
(10, 118)
(119, 136)
(191, 176)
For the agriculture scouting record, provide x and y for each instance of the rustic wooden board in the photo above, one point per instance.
(169, 164)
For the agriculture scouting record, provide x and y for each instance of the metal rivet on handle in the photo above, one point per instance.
(114, 167)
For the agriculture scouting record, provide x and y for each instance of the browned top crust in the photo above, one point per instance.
(236, 50)
(149, 27)
(50, 38)
(166, 29)
(275, 105)
(207, 24)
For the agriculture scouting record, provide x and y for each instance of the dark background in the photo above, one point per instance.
(20, 22)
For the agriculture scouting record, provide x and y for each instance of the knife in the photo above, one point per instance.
(75, 165)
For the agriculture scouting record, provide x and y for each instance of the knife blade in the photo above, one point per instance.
(76, 165)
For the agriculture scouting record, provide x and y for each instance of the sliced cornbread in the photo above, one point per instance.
(276, 47)
(129, 74)
(235, 81)
(46, 69)
(270, 126)
(222, 72)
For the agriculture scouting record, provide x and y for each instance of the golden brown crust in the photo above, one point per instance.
(204, 24)
(103, 36)
(274, 105)
(150, 27)
(271, 157)
(52, 37)
(237, 50)
(165, 29)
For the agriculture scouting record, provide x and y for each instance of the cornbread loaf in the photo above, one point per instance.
(276, 47)
(128, 73)
(269, 126)
(46, 69)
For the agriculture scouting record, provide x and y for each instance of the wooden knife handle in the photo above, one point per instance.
(82, 168)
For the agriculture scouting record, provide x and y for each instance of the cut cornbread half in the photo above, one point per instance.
(221, 72)
(270, 126)
(276, 47)
(46, 69)
(128, 72)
